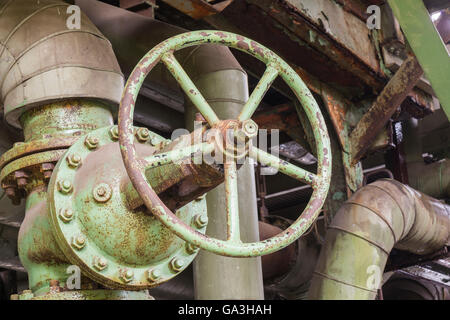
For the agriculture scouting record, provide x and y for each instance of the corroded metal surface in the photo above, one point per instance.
(132, 162)
(198, 9)
(94, 227)
(384, 107)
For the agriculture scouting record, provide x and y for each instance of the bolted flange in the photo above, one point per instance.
(177, 264)
(74, 160)
(100, 263)
(126, 275)
(102, 192)
(91, 142)
(64, 186)
(142, 134)
(153, 275)
(66, 215)
(200, 220)
(78, 242)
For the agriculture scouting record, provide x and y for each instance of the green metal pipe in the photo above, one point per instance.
(219, 277)
(427, 45)
(376, 218)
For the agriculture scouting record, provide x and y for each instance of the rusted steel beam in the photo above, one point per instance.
(384, 107)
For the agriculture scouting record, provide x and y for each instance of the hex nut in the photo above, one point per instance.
(78, 242)
(64, 186)
(250, 128)
(190, 248)
(91, 142)
(66, 215)
(102, 192)
(100, 263)
(143, 134)
(153, 275)
(74, 160)
(126, 275)
(114, 133)
(177, 264)
(200, 220)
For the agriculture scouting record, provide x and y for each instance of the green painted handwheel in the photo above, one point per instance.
(136, 166)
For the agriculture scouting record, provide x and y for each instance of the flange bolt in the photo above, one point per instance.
(100, 263)
(91, 142)
(114, 133)
(79, 242)
(64, 186)
(177, 264)
(74, 160)
(153, 275)
(66, 215)
(200, 220)
(102, 192)
(127, 275)
(142, 134)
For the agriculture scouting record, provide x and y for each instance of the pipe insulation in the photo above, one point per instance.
(378, 217)
(44, 57)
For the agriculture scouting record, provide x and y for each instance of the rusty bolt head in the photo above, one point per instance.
(21, 178)
(200, 220)
(78, 242)
(47, 169)
(114, 133)
(143, 134)
(66, 215)
(64, 186)
(126, 275)
(100, 263)
(177, 264)
(91, 142)
(190, 248)
(102, 193)
(153, 275)
(74, 160)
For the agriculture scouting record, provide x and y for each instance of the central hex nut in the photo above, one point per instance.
(91, 142)
(79, 242)
(143, 134)
(64, 186)
(200, 220)
(126, 275)
(102, 192)
(177, 264)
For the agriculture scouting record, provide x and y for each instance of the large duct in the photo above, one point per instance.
(376, 218)
(44, 59)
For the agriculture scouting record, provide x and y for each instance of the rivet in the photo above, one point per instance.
(79, 242)
(102, 192)
(66, 215)
(142, 134)
(153, 275)
(114, 133)
(177, 264)
(91, 142)
(74, 160)
(64, 186)
(200, 220)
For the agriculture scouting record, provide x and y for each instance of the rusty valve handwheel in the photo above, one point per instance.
(275, 66)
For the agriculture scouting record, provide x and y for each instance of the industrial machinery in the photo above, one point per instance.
(179, 184)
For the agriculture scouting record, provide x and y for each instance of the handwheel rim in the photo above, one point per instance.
(135, 166)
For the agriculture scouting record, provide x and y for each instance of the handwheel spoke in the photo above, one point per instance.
(285, 167)
(231, 195)
(189, 87)
(257, 95)
(176, 155)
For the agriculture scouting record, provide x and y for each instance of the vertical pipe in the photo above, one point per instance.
(218, 277)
